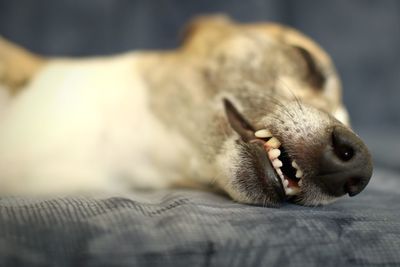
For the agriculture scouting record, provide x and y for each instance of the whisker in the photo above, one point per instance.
(286, 86)
(280, 104)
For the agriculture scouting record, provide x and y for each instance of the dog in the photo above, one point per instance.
(253, 110)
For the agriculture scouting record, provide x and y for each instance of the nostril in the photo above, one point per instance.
(341, 148)
(344, 152)
(353, 186)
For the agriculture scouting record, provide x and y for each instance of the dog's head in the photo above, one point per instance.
(282, 98)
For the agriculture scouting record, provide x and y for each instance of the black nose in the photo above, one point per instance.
(345, 164)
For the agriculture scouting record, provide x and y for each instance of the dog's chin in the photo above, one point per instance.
(249, 177)
(255, 179)
(312, 196)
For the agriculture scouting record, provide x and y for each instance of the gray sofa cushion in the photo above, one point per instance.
(191, 228)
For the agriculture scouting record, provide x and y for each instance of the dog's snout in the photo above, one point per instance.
(345, 164)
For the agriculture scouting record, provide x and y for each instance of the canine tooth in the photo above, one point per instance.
(277, 163)
(294, 164)
(264, 133)
(274, 153)
(299, 173)
(291, 191)
(279, 171)
(273, 142)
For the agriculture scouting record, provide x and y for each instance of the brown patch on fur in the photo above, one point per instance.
(17, 65)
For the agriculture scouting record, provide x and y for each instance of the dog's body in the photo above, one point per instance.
(154, 120)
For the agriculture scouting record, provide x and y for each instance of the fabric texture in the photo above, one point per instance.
(192, 228)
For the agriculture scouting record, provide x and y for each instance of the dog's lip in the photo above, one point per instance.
(269, 173)
(276, 177)
(286, 169)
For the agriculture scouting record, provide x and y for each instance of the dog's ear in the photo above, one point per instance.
(316, 60)
(238, 122)
(202, 23)
(315, 75)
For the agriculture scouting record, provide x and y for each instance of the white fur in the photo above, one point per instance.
(342, 115)
(4, 99)
(226, 161)
(86, 125)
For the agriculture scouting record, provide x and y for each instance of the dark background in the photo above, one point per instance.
(362, 36)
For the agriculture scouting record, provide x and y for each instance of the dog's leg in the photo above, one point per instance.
(17, 66)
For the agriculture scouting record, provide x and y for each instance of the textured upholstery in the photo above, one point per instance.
(190, 228)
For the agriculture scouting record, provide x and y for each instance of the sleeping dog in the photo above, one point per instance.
(254, 110)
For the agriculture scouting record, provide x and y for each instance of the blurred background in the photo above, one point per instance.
(362, 36)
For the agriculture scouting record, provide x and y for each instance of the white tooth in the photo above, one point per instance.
(273, 142)
(280, 173)
(274, 153)
(285, 183)
(277, 163)
(300, 183)
(264, 133)
(294, 164)
(299, 173)
(291, 191)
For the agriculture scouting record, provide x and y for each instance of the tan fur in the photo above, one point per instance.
(17, 65)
